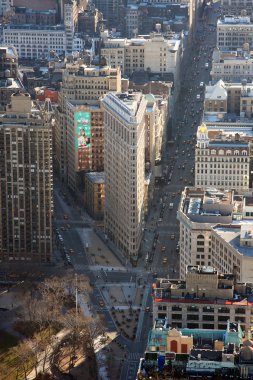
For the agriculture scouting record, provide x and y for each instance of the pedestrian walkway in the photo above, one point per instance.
(135, 356)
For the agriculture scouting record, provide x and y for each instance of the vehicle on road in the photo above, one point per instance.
(172, 237)
(198, 97)
(171, 205)
(165, 260)
(201, 84)
(206, 65)
(163, 248)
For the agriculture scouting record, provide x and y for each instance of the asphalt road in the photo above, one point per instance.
(178, 161)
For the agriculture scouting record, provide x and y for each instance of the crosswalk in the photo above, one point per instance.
(134, 356)
(81, 267)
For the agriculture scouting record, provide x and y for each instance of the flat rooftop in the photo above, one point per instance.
(52, 28)
(234, 20)
(229, 131)
(228, 143)
(96, 177)
(92, 105)
(232, 236)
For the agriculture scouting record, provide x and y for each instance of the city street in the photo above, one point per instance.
(160, 249)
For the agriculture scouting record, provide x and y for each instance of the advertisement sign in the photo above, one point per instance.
(82, 139)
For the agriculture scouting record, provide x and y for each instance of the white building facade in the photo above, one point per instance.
(124, 166)
(223, 163)
(156, 54)
(35, 41)
(233, 32)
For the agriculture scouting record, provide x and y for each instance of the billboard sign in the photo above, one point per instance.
(82, 140)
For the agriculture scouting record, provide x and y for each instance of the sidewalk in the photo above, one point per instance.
(123, 259)
(58, 337)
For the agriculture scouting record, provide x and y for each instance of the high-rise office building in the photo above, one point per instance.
(70, 22)
(26, 183)
(111, 10)
(81, 89)
(124, 166)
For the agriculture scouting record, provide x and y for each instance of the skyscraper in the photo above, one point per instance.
(111, 10)
(26, 183)
(124, 166)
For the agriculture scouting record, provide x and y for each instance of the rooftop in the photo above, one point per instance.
(96, 177)
(232, 234)
(228, 143)
(207, 206)
(126, 105)
(228, 130)
(234, 20)
(216, 92)
(54, 28)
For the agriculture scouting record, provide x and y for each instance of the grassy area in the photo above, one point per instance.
(7, 341)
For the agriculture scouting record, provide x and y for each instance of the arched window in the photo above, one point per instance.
(244, 152)
(200, 237)
(228, 152)
(221, 152)
(236, 152)
(213, 151)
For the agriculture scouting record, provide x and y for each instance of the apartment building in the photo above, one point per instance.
(222, 161)
(88, 83)
(235, 7)
(229, 100)
(206, 299)
(232, 247)
(35, 41)
(233, 32)
(157, 53)
(26, 183)
(199, 211)
(82, 86)
(10, 81)
(216, 98)
(23, 15)
(124, 167)
(89, 20)
(232, 66)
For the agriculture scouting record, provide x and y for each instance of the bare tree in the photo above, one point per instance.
(24, 358)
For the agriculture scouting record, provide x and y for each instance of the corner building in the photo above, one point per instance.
(124, 166)
(207, 299)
